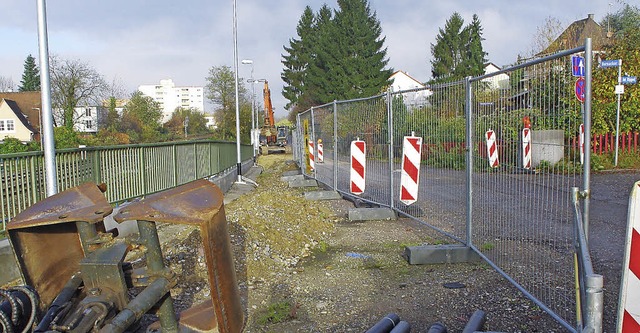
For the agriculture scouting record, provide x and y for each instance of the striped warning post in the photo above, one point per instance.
(320, 151)
(629, 307)
(581, 142)
(410, 176)
(358, 166)
(492, 149)
(526, 148)
(312, 164)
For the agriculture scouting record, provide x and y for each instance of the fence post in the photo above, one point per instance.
(335, 145)
(390, 131)
(586, 180)
(143, 174)
(595, 303)
(195, 161)
(97, 176)
(175, 165)
(469, 146)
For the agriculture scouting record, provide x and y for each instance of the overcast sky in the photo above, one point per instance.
(141, 42)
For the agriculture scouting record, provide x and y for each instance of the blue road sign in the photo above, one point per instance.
(629, 80)
(580, 89)
(609, 63)
(577, 66)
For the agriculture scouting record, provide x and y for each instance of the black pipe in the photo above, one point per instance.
(437, 328)
(67, 293)
(402, 327)
(476, 322)
(386, 324)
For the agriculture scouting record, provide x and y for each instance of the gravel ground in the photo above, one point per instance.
(304, 267)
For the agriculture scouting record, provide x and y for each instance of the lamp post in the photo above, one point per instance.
(235, 70)
(51, 178)
(253, 109)
(253, 89)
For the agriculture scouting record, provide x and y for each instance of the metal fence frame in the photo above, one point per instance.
(130, 171)
(588, 301)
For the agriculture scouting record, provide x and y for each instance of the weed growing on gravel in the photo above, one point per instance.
(487, 246)
(276, 313)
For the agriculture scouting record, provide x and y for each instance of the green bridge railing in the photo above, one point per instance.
(130, 171)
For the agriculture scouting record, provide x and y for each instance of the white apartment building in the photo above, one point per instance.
(170, 97)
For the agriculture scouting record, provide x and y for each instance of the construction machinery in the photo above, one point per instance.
(272, 139)
(81, 281)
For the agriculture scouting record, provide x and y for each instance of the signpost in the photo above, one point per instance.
(619, 90)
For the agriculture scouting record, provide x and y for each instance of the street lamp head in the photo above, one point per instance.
(247, 61)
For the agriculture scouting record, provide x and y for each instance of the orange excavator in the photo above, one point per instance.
(272, 139)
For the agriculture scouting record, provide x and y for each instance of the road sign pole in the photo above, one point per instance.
(615, 162)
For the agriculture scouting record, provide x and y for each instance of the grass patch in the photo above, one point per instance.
(488, 246)
(276, 313)
(370, 263)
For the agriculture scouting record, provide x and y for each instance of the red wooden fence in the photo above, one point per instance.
(606, 143)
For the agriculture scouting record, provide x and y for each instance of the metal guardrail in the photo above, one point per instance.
(130, 171)
(516, 216)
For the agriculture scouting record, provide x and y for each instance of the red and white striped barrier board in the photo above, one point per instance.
(410, 176)
(358, 166)
(526, 148)
(581, 142)
(492, 149)
(629, 307)
(312, 164)
(320, 151)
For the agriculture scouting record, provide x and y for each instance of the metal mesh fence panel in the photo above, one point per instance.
(523, 169)
(500, 154)
(437, 115)
(323, 132)
(367, 120)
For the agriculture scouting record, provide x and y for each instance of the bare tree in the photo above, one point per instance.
(6, 84)
(546, 34)
(74, 83)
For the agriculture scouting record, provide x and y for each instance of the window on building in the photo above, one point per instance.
(2, 128)
(88, 124)
(10, 125)
(87, 112)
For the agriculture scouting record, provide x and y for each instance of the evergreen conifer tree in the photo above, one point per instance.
(30, 76)
(458, 51)
(296, 61)
(317, 83)
(474, 59)
(359, 59)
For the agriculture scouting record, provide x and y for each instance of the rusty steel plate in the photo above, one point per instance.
(200, 203)
(45, 239)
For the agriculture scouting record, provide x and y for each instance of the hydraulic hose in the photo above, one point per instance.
(18, 309)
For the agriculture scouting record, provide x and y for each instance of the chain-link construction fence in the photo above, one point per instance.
(498, 164)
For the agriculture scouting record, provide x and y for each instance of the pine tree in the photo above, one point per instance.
(30, 76)
(448, 49)
(361, 56)
(350, 59)
(296, 61)
(474, 56)
(318, 89)
(458, 51)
